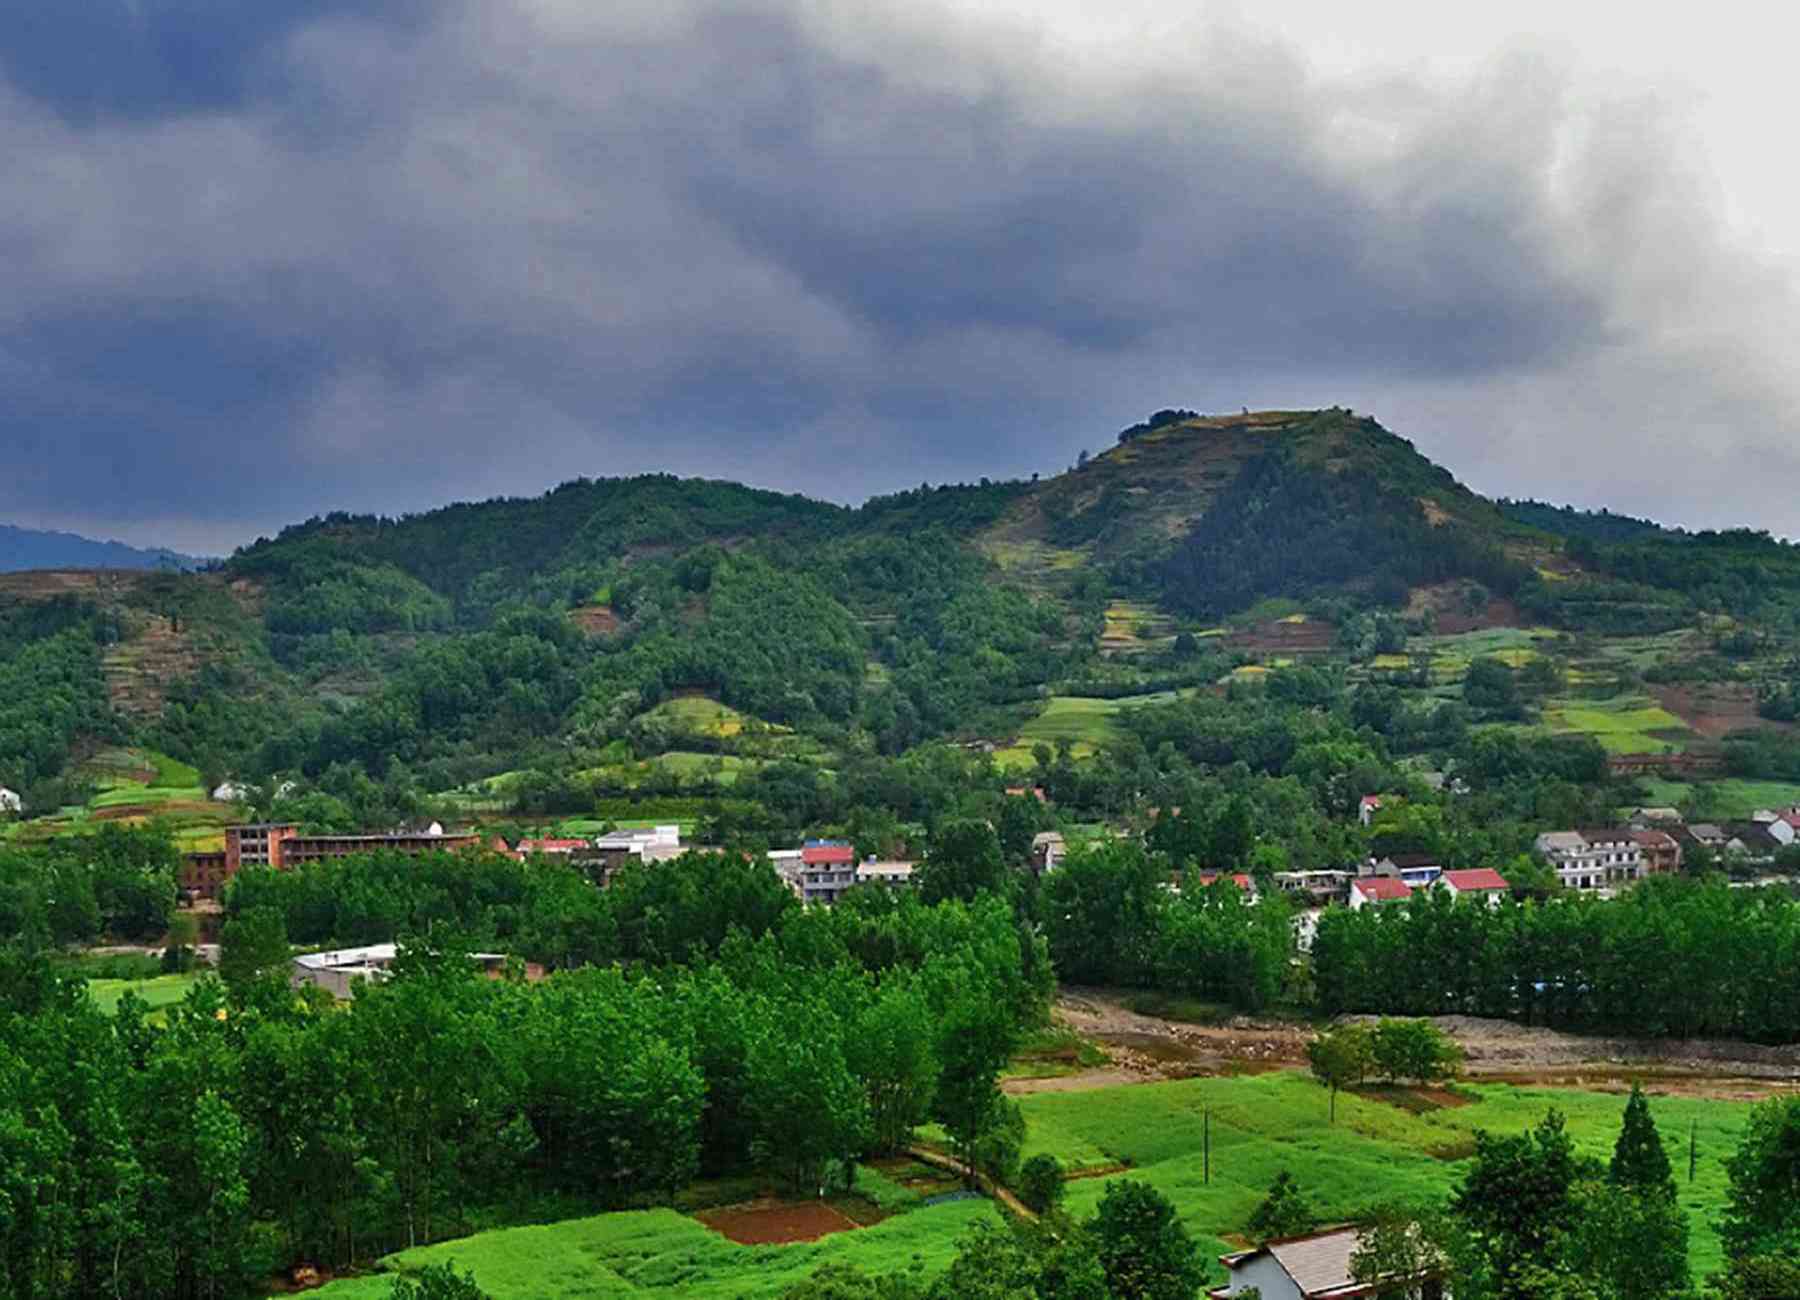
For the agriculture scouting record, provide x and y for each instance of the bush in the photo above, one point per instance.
(1041, 1183)
(1415, 1049)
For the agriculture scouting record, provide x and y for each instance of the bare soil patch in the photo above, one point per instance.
(1715, 710)
(776, 1222)
(595, 620)
(1495, 1050)
(1278, 638)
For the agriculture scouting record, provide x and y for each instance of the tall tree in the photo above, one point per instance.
(1144, 1251)
(1639, 1159)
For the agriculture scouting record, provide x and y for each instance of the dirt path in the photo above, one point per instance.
(988, 1185)
(1147, 1048)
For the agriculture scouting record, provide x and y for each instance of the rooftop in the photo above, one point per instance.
(1476, 879)
(1383, 889)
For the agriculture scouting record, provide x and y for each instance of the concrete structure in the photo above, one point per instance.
(10, 802)
(1314, 1267)
(1315, 886)
(1416, 869)
(1599, 858)
(338, 970)
(1366, 810)
(231, 792)
(1047, 851)
(895, 875)
(827, 868)
(1661, 851)
(280, 846)
(551, 847)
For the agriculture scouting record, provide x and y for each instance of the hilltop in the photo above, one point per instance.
(28, 548)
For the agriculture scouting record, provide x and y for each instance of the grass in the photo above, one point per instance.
(701, 715)
(1086, 721)
(1734, 799)
(1629, 724)
(158, 992)
(1258, 1125)
(1169, 1006)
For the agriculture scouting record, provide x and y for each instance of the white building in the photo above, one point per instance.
(338, 970)
(1047, 851)
(10, 801)
(1601, 859)
(892, 874)
(231, 792)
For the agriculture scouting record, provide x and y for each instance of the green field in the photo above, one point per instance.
(158, 992)
(1086, 721)
(1629, 724)
(1259, 1125)
(1735, 799)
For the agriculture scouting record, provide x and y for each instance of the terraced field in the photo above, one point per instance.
(1630, 724)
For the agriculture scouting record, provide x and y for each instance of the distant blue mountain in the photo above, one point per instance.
(29, 548)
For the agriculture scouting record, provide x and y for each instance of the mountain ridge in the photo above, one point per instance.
(25, 549)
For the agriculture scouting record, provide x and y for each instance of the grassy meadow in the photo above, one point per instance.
(1626, 724)
(1377, 1151)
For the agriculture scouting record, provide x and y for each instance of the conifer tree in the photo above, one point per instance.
(1639, 1160)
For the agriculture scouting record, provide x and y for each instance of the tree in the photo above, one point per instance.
(1631, 1241)
(809, 1110)
(1757, 1277)
(848, 1282)
(1415, 1049)
(1284, 1212)
(1400, 1243)
(251, 944)
(1639, 1159)
(1490, 688)
(965, 860)
(1341, 1058)
(1516, 1197)
(1144, 1251)
(975, 1038)
(1041, 1184)
(1763, 1203)
(889, 1047)
(437, 1282)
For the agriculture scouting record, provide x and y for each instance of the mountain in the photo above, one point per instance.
(28, 548)
(575, 629)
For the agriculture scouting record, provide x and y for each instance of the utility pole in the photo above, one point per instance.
(1206, 1145)
(1693, 1146)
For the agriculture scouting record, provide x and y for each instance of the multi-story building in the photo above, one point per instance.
(1597, 858)
(1661, 851)
(280, 846)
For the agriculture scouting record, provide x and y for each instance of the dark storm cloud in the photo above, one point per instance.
(372, 261)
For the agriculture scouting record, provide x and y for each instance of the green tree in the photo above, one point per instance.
(965, 860)
(1757, 1277)
(1284, 1212)
(1631, 1241)
(1763, 1203)
(890, 1048)
(975, 1039)
(809, 1111)
(1144, 1251)
(848, 1282)
(1415, 1049)
(251, 944)
(1041, 1183)
(1639, 1160)
(1341, 1058)
(1516, 1197)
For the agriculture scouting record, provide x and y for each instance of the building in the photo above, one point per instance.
(1366, 810)
(1779, 825)
(551, 847)
(10, 801)
(1483, 884)
(1661, 851)
(1415, 869)
(1644, 818)
(895, 875)
(827, 869)
(280, 846)
(1752, 842)
(1314, 1267)
(1047, 851)
(1367, 891)
(1315, 887)
(1598, 858)
(337, 971)
(612, 852)
(231, 792)
(1207, 879)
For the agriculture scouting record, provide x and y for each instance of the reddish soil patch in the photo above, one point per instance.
(1499, 613)
(595, 620)
(126, 811)
(773, 1222)
(1277, 638)
(1714, 710)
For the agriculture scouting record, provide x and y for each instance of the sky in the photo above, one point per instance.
(260, 262)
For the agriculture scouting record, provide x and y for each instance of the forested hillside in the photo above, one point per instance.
(548, 649)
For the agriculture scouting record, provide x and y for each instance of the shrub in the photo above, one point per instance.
(1041, 1183)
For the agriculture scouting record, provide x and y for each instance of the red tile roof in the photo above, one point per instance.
(822, 854)
(1238, 878)
(1476, 878)
(1383, 889)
